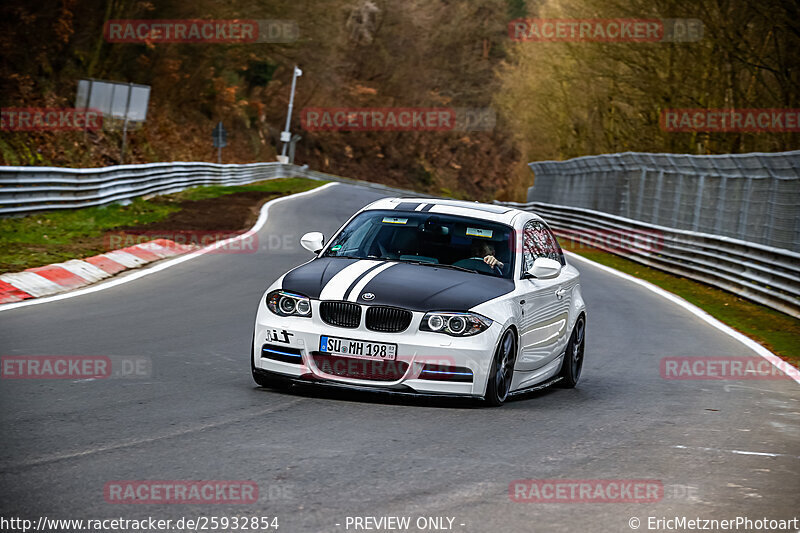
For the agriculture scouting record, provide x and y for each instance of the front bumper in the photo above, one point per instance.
(289, 346)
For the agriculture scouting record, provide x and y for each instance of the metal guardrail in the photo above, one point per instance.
(763, 274)
(25, 190)
(753, 197)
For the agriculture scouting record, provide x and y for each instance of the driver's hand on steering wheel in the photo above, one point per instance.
(492, 261)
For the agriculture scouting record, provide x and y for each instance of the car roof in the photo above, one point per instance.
(493, 212)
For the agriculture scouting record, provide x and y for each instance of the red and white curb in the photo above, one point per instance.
(60, 277)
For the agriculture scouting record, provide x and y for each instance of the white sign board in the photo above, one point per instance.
(114, 99)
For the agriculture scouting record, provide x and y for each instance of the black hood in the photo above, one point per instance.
(415, 287)
(310, 278)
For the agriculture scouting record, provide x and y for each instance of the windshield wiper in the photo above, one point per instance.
(441, 265)
(414, 262)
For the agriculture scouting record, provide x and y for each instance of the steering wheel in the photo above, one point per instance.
(496, 268)
(483, 263)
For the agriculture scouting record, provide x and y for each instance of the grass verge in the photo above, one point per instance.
(56, 236)
(778, 332)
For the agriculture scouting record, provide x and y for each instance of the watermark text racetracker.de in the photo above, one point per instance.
(50, 119)
(222, 242)
(90, 367)
(181, 492)
(631, 30)
(723, 368)
(397, 119)
(730, 120)
(586, 490)
(624, 240)
(234, 31)
(432, 367)
(580, 491)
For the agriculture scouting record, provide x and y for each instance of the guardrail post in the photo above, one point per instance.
(640, 199)
(677, 201)
(745, 209)
(796, 237)
(625, 195)
(657, 198)
(698, 204)
(722, 201)
(771, 222)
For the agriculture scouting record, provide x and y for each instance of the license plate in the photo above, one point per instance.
(358, 349)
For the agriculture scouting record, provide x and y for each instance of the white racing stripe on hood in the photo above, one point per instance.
(356, 292)
(336, 288)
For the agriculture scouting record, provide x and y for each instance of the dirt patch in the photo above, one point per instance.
(196, 222)
(199, 223)
(236, 212)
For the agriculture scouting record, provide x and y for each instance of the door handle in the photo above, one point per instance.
(560, 293)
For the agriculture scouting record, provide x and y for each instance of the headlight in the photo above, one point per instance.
(288, 304)
(455, 324)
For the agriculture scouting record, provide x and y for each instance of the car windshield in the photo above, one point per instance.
(448, 241)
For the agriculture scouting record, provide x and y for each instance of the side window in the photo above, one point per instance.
(539, 241)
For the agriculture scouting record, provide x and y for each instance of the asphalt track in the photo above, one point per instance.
(722, 449)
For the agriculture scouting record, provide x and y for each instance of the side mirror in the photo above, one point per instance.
(544, 268)
(312, 241)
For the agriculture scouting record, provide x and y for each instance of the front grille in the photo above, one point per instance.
(388, 319)
(368, 369)
(341, 314)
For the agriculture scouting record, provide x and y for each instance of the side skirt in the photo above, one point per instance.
(536, 387)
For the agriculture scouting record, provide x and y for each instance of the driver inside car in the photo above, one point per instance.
(485, 252)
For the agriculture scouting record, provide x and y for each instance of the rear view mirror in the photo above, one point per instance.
(312, 241)
(544, 268)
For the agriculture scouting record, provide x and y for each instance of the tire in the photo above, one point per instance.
(573, 356)
(502, 370)
(264, 378)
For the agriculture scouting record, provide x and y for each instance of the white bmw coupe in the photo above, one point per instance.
(430, 297)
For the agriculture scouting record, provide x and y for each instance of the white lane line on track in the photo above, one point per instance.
(262, 219)
(728, 387)
(737, 452)
(147, 440)
(776, 361)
